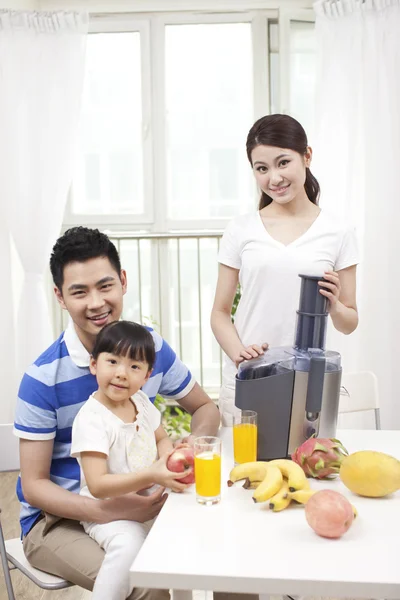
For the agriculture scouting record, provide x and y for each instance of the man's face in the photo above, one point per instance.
(92, 293)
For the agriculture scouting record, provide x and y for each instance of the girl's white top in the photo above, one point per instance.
(129, 447)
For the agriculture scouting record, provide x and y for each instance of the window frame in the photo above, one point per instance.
(286, 16)
(126, 24)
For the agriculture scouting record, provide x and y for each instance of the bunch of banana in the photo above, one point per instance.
(279, 481)
(275, 481)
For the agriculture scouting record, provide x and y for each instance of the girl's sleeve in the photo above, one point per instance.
(154, 415)
(89, 434)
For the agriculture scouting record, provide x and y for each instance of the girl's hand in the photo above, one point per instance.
(169, 479)
(250, 352)
(332, 291)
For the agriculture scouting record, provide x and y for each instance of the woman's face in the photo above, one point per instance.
(280, 172)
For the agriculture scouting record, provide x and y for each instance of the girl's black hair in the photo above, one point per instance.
(281, 131)
(125, 338)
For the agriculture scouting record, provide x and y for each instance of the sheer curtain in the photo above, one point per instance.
(357, 158)
(42, 58)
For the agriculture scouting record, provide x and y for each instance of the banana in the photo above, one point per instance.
(355, 511)
(253, 471)
(293, 472)
(282, 499)
(250, 485)
(269, 486)
(302, 496)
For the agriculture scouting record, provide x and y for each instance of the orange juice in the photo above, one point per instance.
(207, 468)
(245, 442)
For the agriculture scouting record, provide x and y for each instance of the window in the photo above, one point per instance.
(209, 105)
(113, 163)
(302, 73)
(168, 102)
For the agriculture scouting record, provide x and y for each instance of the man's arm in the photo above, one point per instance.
(205, 414)
(39, 491)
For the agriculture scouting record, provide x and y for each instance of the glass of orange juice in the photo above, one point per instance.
(245, 436)
(207, 468)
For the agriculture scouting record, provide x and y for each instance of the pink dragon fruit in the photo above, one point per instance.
(320, 457)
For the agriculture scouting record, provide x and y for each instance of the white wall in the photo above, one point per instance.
(20, 4)
(108, 6)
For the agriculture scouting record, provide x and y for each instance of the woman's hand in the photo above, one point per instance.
(333, 289)
(250, 352)
(159, 473)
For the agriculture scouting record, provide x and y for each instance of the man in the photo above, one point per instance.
(90, 285)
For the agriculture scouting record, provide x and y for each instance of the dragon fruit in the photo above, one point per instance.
(320, 457)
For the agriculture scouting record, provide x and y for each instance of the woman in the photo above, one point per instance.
(267, 249)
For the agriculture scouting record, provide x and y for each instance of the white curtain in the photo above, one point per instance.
(42, 58)
(357, 158)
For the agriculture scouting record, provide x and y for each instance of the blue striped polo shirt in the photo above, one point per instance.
(56, 386)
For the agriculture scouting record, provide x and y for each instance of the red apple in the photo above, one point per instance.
(182, 458)
(329, 513)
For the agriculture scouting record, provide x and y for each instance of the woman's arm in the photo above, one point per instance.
(340, 289)
(221, 322)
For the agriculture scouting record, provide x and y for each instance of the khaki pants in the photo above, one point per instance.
(61, 547)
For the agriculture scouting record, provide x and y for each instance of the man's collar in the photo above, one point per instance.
(76, 349)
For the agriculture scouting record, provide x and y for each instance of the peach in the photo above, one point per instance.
(329, 513)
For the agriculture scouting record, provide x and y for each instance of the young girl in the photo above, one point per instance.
(267, 249)
(116, 437)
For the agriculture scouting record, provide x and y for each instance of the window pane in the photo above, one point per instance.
(109, 178)
(274, 79)
(302, 74)
(209, 104)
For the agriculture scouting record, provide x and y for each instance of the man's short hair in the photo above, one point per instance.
(80, 244)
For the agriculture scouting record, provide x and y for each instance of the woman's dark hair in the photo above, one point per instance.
(80, 244)
(281, 131)
(124, 338)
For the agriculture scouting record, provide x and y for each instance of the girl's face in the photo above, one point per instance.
(119, 377)
(280, 172)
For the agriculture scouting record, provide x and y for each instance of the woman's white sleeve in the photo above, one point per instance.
(348, 250)
(229, 250)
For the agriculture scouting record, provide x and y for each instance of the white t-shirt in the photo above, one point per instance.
(130, 447)
(270, 286)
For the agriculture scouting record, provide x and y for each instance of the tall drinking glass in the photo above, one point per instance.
(207, 467)
(245, 436)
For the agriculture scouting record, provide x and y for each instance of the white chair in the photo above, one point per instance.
(359, 392)
(12, 552)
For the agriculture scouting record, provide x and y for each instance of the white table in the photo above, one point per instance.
(238, 546)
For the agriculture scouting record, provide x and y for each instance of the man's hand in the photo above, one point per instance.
(186, 441)
(134, 507)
